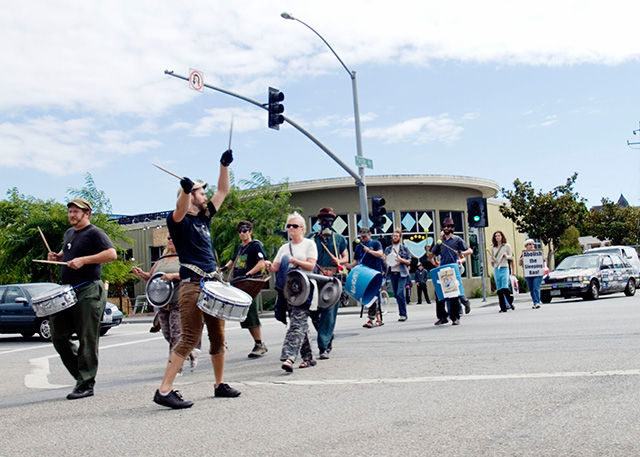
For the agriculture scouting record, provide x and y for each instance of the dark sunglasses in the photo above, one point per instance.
(244, 229)
(449, 226)
(294, 226)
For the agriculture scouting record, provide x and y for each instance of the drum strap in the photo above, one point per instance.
(200, 272)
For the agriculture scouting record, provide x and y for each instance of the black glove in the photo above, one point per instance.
(187, 185)
(227, 158)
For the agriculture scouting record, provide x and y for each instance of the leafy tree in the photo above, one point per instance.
(569, 244)
(614, 223)
(544, 215)
(259, 201)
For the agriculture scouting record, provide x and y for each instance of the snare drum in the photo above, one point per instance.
(224, 301)
(54, 301)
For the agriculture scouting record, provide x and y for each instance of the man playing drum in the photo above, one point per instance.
(332, 254)
(189, 228)
(450, 250)
(86, 247)
(369, 253)
(248, 261)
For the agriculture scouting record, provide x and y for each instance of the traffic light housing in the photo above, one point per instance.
(378, 211)
(477, 212)
(275, 108)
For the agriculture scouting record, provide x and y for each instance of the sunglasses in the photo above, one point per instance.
(449, 226)
(293, 226)
(244, 229)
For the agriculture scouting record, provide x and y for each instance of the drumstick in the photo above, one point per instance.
(167, 171)
(230, 132)
(52, 262)
(45, 240)
(447, 246)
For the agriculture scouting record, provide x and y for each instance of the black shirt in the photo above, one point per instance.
(79, 243)
(246, 257)
(192, 239)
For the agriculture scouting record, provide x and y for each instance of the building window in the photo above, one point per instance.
(384, 235)
(418, 232)
(155, 252)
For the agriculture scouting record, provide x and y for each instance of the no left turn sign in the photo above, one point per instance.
(196, 80)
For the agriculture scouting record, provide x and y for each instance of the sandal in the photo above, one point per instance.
(308, 363)
(379, 324)
(369, 324)
(287, 366)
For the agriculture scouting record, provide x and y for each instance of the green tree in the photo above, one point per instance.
(568, 244)
(614, 223)
(544, 215)
(259, 201)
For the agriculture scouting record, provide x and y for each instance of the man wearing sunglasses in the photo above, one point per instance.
(332, 254)
(249, 260)
(450, 250)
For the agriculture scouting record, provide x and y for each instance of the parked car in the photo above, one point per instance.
(17, 315)
(589, 276)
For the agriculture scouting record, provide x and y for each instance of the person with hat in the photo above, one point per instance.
(85, 248)
(422, 276)
(249, 260)
(369, 253)
(332, 255)
(451, 248)
(188, 226)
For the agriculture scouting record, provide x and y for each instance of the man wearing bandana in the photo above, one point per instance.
(332, 254)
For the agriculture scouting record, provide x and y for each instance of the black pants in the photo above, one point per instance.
(422, 289)
(505, 299)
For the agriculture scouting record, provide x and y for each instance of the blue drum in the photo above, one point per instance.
(363, 284)
(447, 281)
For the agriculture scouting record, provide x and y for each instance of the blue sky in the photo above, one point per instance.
(496, 90)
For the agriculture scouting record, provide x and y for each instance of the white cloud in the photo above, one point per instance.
(418, 131)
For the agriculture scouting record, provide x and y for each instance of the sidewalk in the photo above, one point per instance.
(475, 303)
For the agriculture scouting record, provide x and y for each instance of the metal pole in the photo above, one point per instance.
(337, 159)
(356, 114)
(484, 273)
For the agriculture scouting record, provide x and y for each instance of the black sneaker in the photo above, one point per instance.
(226, 391)
(441, 321)
(80, 393)
(172, 400)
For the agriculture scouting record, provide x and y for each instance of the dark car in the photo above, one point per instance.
(17, 315)
(589, 276)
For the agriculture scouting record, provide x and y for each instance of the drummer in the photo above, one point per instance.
(369, 253)
(450, 251)
(189, 228)
(398, 259)
(249, 260)
(86, 247)
(332, 255)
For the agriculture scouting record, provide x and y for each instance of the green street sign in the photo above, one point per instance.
(364, 162)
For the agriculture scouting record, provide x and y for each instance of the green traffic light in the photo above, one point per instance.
(476, 218)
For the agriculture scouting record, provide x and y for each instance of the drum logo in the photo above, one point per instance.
(354, 280)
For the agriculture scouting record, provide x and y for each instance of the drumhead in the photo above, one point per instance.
(158, 290)
(392, 259)
(52, 293)
(227, 293)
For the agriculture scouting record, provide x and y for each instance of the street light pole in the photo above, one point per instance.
(362, 185)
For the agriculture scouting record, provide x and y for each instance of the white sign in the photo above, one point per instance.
(533, 263)
(196, 80)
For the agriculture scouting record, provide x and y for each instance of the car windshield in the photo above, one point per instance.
(579, 261)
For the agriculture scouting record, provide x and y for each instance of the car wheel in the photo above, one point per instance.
(593, 292)
(630, 290)
(44, 329)
(545, 299)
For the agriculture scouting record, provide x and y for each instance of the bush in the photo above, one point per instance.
(564, 253)
(523, 287)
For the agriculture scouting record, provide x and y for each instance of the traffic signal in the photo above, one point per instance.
(477, 212)
(378, 211)
(275, 108)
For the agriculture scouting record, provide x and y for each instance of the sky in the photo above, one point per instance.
(500, 90)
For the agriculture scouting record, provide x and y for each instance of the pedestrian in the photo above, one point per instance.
(332, 255)
(85, 248)
(501, 255)
(422, 275)
(189, 226)
(249, 260)
(534, 282)
(299, 253)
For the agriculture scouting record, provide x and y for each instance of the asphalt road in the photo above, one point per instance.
(563, 380)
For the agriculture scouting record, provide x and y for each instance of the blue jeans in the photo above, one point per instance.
(324, 320)
(398, 284)
(534, 283)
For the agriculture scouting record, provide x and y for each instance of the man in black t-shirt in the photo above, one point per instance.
(188, 226)
(86, 247)
(248, 261)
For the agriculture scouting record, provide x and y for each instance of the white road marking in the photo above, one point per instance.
(426, 379)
